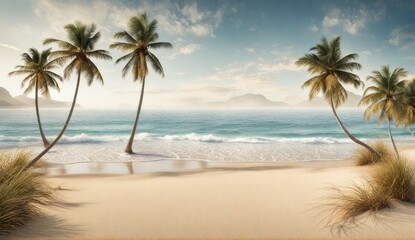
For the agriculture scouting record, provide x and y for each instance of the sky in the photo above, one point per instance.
(221, 49)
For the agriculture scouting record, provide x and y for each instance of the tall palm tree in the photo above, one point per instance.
(39, 77)
(409, 104)
(137, 41)
(331, 70)
(385, 96)
(78, 51)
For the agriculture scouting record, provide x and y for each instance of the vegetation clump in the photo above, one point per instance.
(364, 157)
(393, 179)
(22, 193)
(396, 178)
(349, 205)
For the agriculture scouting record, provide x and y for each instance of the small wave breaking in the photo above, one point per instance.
(208, 138)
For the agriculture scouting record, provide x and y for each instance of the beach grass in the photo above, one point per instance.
(365, 157)
(350, 203)
(21, 193)
(396, 177)
(392, 179)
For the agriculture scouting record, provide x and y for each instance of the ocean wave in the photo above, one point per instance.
(19, 139)
(84, 138)
(208, 138)
(217, 139)
(195, 137)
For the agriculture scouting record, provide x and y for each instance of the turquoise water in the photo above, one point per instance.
(311, 126)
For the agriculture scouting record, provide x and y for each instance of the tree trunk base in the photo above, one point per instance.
(46, 144)
(128, 150)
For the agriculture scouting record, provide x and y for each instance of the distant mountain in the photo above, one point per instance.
(247, 100)
(8, 101)
(352, 101)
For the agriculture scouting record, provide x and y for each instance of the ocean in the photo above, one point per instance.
(277, 134)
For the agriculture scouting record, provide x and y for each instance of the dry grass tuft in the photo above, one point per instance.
(348, 205)
(396, 177)
(365, 157)
(393, 179)
(21, 193)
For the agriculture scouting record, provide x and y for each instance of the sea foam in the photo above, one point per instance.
(208, 138)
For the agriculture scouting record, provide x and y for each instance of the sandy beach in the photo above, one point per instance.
(207, 120)
(208, 201)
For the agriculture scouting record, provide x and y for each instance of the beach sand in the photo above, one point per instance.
(195, 200)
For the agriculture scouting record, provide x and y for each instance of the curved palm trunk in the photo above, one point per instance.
(391, 138)
(410, 130)
(34, 160)
(347, 132)
(129, 148)
(45, 141)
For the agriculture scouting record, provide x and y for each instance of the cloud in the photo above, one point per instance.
(313, 28)
(112, 15)
(253, 28)
(58, 14)
(191, 12)
(186, 50)
(202, 30)
(185, 89)
(10, 47)
(332, 19)
(353, 26)
(401, 37)
(352, 20)
(250, 50)
(277, 67)
(242, 75)
(190, 48)
(190, 20)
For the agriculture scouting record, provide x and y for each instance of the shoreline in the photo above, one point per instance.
(149, 150)
(175, 166)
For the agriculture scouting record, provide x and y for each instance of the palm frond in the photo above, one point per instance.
(125, 57)
(126, 36)
(123, 46)
(157, 45)
(99, 54)
(155, 63)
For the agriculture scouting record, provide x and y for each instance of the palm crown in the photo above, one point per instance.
(409, 101)
(78, 50)
(38, 70)
(385, 96)
(140, 38)
(331, 70)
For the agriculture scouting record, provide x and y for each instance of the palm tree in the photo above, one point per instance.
(78, 51)
(39, 77)
(331, 70)
(385, 96)
(409, 107)
(140, 38)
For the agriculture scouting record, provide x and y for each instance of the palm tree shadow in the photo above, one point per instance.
(155, 155)
(130, 167)
(206, 169)
(45, 227)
